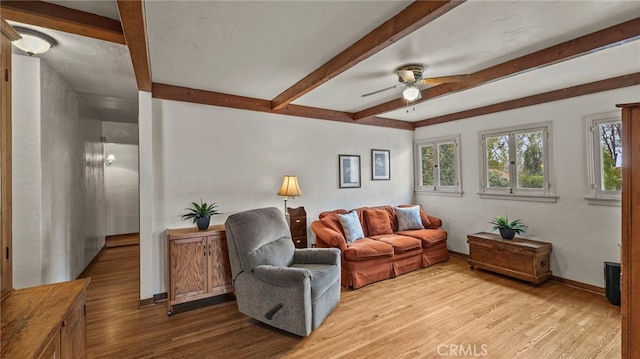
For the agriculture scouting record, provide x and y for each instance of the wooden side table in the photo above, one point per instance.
(198, 265)
(298, 226)
(519, 258)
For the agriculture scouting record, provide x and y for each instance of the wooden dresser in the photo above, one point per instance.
(519, 258)
(47, 321)
(298, 226)
(198, 265)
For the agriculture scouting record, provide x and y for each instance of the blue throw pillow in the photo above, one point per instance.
(351, 225)
(409, 218)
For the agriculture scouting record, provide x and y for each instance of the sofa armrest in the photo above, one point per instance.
(329, 236)
(281, 276)
(317, 256)
(435, 222)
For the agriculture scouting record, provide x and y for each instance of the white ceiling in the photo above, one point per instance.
(99, 71)
(260, 48)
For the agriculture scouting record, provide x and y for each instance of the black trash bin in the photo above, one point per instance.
(612, 282)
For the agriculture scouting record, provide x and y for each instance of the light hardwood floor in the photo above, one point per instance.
(435, 312)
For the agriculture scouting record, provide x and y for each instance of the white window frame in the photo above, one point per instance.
(437, 189)
(546, 194)
(595, 195)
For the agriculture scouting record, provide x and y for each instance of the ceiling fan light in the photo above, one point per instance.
(411, 93)
(33, 42)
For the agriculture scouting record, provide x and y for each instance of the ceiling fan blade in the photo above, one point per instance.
(375, 92)
(406, 75)
(445, 79)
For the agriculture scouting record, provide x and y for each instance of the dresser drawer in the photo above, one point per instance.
(298, 226)
(300, 242)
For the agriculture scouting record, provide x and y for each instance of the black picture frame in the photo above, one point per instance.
(380, 165)
(349, 175)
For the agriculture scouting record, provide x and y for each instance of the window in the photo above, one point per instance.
(605, 158)
(438, 165)
(516, 162)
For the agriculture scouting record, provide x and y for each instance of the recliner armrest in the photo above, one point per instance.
(281, 276)
(317, 256)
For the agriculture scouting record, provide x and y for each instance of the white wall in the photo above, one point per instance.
(238, 159)
(121, 189)
(69, 183)
(583, 236)
(27, 172)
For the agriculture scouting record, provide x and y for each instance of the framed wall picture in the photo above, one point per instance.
(380, 165)
(349, 171)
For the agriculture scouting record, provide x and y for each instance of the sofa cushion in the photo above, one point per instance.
(429, 237)
(378, 221)
(351, 226)
(332, 222)
(367, 248)
(426, 222)
(400, 243)
(409, 218)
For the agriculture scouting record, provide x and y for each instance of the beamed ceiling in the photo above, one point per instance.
(316, 58)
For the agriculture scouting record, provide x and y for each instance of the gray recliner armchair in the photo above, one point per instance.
(275, 283)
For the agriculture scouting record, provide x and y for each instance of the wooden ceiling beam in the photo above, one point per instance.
(405, 22)
(580, 90)
(135, 32)
(588, 44)
(56, 17)
(184, 94)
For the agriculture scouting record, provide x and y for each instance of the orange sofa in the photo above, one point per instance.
(380, 256)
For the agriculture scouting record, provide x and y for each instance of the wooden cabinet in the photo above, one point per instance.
(198, 265)
(519, 258)
(298, 226)
(630, 252)
(45, 322)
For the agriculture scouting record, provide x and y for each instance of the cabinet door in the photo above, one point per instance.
(219, 267)
(52, 350)
(73, 332)
(188, 261)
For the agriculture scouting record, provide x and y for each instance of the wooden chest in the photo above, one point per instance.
(519, 258)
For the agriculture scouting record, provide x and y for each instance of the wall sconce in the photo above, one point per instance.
(110, 159)
(289, 189)
(33, 42)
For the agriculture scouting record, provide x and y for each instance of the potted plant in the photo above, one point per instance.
(201, 214)
(507, 229)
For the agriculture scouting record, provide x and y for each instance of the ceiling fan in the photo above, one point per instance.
(410, 76)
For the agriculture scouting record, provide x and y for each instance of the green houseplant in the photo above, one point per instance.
(507, 229)
(201, 214)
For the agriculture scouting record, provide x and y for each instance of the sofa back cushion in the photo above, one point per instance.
(331, 221)
(378, 221)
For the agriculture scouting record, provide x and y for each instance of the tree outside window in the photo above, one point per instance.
(611, 155)
(437, 165)
(515, 162)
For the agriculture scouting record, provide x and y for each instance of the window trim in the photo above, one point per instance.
(547, 194)
(595, 196)
(437, 189)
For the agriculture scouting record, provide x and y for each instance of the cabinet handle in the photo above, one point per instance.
(64, 323)
(204, 250)
(297, 221)
(543, 263)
